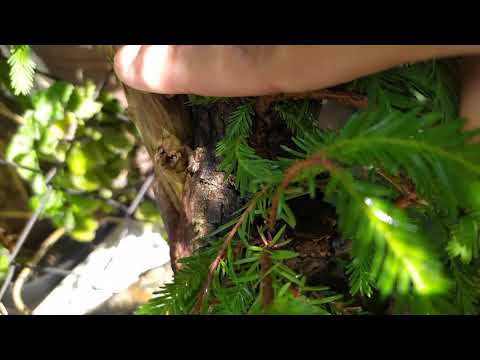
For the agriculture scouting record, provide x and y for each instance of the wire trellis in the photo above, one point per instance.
(126, 211)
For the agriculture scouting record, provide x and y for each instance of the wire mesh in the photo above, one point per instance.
(35, 216)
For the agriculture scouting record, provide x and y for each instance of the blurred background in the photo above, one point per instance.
(79, 227)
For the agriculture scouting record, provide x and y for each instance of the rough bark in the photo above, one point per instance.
(195, 198)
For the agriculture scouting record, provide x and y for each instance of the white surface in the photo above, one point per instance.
(112, 267)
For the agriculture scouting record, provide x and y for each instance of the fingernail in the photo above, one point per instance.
(124, 58)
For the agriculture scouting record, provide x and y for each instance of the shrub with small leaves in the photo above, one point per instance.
(66, 127)
(3, 261)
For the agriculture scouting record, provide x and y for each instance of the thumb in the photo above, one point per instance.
(145, 67)
(252, 70)
(470, 92)
(200, 69)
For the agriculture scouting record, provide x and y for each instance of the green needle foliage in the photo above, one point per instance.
(22, 69)
(239, 158)
(431, 86)
(179, 297)
(464, 242)
(420, 254)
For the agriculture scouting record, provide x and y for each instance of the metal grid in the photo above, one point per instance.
(127, 211)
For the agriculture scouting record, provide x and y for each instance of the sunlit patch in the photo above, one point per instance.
(379, 214)
(383, 216)
(111, 268)
(413, 259)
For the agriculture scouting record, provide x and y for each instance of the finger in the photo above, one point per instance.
(143, 67)
(204, 70)
(259, 70)
(470, 92)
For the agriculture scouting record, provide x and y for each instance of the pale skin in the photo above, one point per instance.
(252, 70)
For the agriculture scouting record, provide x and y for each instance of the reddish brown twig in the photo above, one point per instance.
(344, 97)
(290, 173)
(294, 291)
(408, 195)
(197, 308)
(400, 188)
(267, 288)
(407, 200)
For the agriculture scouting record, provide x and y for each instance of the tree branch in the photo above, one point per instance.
(344, 97)
(267, 288)
(213, 266)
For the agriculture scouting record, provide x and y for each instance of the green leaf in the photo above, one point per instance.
(96, 154)
(66, 127)
(60, 91)
(110, 103)
(360, 276)
(49, 143)
(77, 160)
(87, 182)
(326, 300)
(82, 103)
(106, 193)
(92, 133)
(283, 254)
(82, 204)
(84, 229)
(38, 183)
(117, 140)
(54, 204)
(288, 275)
(69, 221)
(247, 260)
(43, 108)
(4, 263)
(23, 141)
(88, 109)
(288, 216)
(30, 161)
(464, 242)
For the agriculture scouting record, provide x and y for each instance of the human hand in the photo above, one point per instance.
(254, 70)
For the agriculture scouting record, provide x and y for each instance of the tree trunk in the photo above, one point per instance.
(194, 198)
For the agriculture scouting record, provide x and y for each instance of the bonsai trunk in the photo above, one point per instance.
(194, 198)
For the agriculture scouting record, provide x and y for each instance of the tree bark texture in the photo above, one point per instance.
(194, 198)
